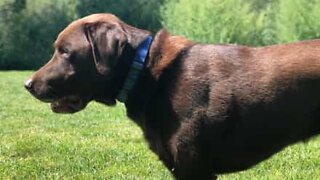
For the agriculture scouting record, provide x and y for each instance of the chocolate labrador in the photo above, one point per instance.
(204, 109)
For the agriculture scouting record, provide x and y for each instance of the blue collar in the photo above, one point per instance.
(135, 69)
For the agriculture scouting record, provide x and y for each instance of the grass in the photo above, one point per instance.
(101, 143)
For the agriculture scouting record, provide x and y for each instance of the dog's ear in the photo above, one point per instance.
(107, 42)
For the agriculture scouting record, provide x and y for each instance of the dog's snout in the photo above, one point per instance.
(28, 84)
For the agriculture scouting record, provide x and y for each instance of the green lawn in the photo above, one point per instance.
(101, 143)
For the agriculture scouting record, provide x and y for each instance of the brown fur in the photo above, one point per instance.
(204, 109)
(166, 50)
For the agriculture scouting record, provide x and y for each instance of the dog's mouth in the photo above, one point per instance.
(70, 104)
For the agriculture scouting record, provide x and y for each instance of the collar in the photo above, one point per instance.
(136, 67)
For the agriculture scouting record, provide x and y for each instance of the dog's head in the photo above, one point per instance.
(83, 66)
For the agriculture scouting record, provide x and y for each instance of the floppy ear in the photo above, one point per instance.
(107, 42)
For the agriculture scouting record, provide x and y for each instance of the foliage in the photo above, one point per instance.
(297, 20)
(258, 5)
(213, 21)
(27, 32)
(255, 23)
(29, 27)
(140, 13)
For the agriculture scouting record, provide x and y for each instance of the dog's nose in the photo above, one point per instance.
(28, 84)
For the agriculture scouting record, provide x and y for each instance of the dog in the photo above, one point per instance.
(204, 109)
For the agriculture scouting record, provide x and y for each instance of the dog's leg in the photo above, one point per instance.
(193, 141)
(189, 160)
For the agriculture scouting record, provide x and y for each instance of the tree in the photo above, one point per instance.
(28, 29)
(140, 13)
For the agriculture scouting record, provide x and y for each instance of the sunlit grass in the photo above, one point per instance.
(100, 142)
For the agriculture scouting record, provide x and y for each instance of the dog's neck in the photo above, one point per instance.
(164, 50)
(137, 65)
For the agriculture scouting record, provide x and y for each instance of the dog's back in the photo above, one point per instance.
(253, 101)
(237, 105)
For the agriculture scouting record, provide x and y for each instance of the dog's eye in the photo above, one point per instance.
(63, 50)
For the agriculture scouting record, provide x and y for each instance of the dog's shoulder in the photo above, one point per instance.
(165, 49)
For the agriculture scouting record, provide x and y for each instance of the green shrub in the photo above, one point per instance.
(258, 5)
(214, 21)
(297, 20)
(140, 13)
(27, 33)
(251, 22)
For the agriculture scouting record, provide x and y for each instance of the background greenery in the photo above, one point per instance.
(29, 27)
